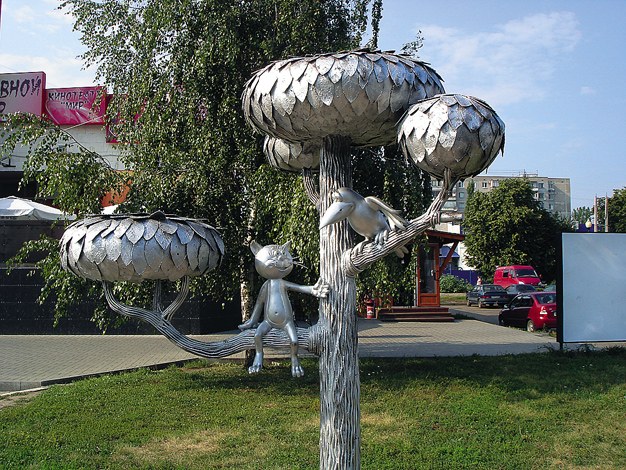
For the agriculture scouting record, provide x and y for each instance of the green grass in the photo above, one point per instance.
(552, 410)
(452, 298)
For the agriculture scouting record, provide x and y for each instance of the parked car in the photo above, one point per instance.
(515, 289)
(487, 294)
(516, 274)
(532, 310)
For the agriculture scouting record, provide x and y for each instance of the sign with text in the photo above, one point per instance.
(22, 92)
(75, 106)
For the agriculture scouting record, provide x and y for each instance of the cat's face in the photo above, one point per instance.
(272, 261)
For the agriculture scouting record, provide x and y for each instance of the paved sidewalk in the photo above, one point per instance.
(33, 361)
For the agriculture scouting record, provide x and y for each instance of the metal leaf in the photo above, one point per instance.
(381, 71)
(139, 261)
(135, 231)
(89, 270)
(192, 252)
(296, 69)
(447, 135)
(351, 64)
(167, 266)
(154, 254)
(178, 253)
(113, 247)
(127, 252)
(185, 233)
(325, 89)
(120, 230)
(150, 228)
(324, 64)
(110, 228)
(163, 239)
(311, 73)
(204, 253)
(95, 250)
(168, 227)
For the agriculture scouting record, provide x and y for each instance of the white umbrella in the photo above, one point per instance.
(23, 209)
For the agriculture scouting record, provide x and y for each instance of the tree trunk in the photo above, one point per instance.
(339, 365)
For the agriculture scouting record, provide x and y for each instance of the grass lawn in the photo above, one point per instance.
(552, 410)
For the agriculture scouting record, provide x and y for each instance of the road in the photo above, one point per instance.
(486, 314)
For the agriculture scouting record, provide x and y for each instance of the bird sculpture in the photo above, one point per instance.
(368, 216)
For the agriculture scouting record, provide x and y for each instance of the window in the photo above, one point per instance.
(485, 184)
(461, 195)
(495, 183)
(460, 184)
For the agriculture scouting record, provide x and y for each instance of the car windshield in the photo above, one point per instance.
(546, 298)
(525, 273)
(493, 288)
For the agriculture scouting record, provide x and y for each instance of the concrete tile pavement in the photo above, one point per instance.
(32, 361)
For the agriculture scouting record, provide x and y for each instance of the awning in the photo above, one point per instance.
(16, 208)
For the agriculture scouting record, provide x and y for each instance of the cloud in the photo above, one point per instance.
(61, 71)
(511, 63)
(587, 90)
(23, 14)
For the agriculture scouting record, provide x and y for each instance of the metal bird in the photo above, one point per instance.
(368, 216)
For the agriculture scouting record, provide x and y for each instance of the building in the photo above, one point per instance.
(553, 194)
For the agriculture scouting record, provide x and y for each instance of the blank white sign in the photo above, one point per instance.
(594, 287)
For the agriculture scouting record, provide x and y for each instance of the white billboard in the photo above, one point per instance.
(593, 288)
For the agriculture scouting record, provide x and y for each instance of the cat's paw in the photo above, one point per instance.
(297, 370)
(321, 289)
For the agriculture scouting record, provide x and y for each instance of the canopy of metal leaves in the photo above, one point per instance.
(290, 156)
(357, 94)
(458, 132)
(137, 247)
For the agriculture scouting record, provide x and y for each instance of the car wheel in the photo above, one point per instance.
(469, 304)
(501, 322)
(530, 326)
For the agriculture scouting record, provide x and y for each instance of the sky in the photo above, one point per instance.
(554, 71)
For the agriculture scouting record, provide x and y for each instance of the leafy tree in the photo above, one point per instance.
(508, 226)
(617, 211)
(176, 70)
(580, 215)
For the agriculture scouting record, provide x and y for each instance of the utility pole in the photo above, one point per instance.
(606, 213)
(595, 214)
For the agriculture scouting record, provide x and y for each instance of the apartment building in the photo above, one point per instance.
(553, 194)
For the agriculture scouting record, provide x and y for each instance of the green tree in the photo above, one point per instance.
(617, 211)
(580, 215)
(176, 70)
(508, 226)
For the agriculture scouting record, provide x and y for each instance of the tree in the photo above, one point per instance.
(617, 211)
(508, 226)
(580, 215)
(176, 70)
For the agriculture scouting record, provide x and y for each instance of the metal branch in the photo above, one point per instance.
(307, 339)
(169, 312)
(357, 260)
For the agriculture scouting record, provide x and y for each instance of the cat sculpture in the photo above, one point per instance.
(274, 262)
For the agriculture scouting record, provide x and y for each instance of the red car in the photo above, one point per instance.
(532, 310)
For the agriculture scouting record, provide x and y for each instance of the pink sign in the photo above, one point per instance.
(73, 106)
(22, 92)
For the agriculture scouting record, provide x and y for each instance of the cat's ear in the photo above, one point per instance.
(287, 246)
(255, 247)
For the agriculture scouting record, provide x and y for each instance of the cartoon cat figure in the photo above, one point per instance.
(274, 262)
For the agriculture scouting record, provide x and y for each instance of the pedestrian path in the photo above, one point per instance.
(28, 362)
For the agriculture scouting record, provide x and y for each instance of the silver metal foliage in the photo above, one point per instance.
(290, 156)
(456, 132)
(358, 94)
(129, 247)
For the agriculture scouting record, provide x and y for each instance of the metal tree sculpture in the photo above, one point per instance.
(313, 109)
(336, 101)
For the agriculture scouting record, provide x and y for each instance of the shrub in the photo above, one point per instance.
(452, 284)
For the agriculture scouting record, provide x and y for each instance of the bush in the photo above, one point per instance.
(452, 284)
